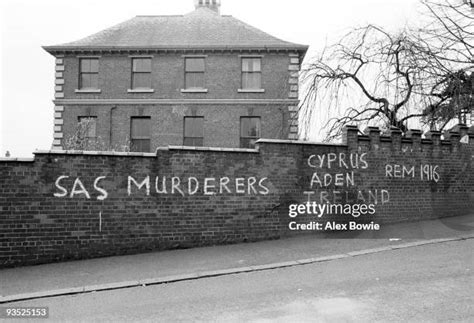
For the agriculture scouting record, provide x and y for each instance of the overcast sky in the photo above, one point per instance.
(27, 71)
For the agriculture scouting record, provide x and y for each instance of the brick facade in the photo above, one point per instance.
(70, 205)
(221, 106)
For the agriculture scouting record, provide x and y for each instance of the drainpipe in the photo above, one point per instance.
(284, 122)
(110, 126)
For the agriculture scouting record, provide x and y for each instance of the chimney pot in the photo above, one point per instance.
(214, 5)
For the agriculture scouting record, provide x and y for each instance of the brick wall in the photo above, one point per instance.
(72, 205)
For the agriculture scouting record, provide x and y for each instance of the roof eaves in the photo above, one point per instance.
(51, 49)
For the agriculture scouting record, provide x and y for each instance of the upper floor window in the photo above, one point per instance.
(140, 134)
(251, 73)
(194, 72)
(193, 131)
(89, 73)
(141, 73)
(249, 131)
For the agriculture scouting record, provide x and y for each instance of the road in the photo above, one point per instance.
(421, 284)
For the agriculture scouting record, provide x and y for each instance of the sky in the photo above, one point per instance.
(27, 71)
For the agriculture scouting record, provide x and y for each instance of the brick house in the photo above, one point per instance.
(200, 79)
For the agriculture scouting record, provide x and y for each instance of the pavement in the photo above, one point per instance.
(93, 275)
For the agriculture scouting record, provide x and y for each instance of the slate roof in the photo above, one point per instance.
(200, 29)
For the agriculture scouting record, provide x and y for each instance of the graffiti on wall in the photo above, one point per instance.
(426, 172)
(327, 187)
(163, 185)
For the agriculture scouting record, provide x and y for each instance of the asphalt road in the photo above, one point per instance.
(431, 283)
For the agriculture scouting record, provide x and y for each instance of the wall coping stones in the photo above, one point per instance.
(16, 159)
(351, 136)
(136, 154)
(215, 149)
(296, 142)
(93, 153)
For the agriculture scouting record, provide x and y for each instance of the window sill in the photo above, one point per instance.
(251, 90)
(193, 90)
(140, 90)
(88, 91)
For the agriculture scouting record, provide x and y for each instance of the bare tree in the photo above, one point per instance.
(378, 73)
(388, 79)
(450, 31)
(449, 41)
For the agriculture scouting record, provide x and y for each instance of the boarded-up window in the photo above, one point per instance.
(88, 126)
(193, 131)
(140, 134)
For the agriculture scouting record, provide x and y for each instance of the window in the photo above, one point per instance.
(141, 73)
(251, 73)
(249, 131)
(88, 127)
(194, 73)
(193, 131)
(140, 134)
(89, 73)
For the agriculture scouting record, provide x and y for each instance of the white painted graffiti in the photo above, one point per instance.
(426, 172)
(78, 188)
(341, 160)
(375, 196)
(210, 185)
(166, 185)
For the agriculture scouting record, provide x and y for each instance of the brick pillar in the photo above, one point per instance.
(454, 137)
(58, 109)
(463, 132)
(350, 136)
(293, 68)
(435, 137)
(470, 134)
(374, 136)
(396, 135)
(415, 136)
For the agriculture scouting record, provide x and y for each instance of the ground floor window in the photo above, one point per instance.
(193, 131)
(140, 134)
(249, 131)
(88, 127)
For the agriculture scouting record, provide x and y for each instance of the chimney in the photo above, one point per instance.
(214, 5)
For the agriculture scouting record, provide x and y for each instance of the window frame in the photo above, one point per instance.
(242, 73)
(202, 73)
(133, 73)
(132, 138)
(193, 138)
(79, 120)
(245, 138)
(81, 73)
